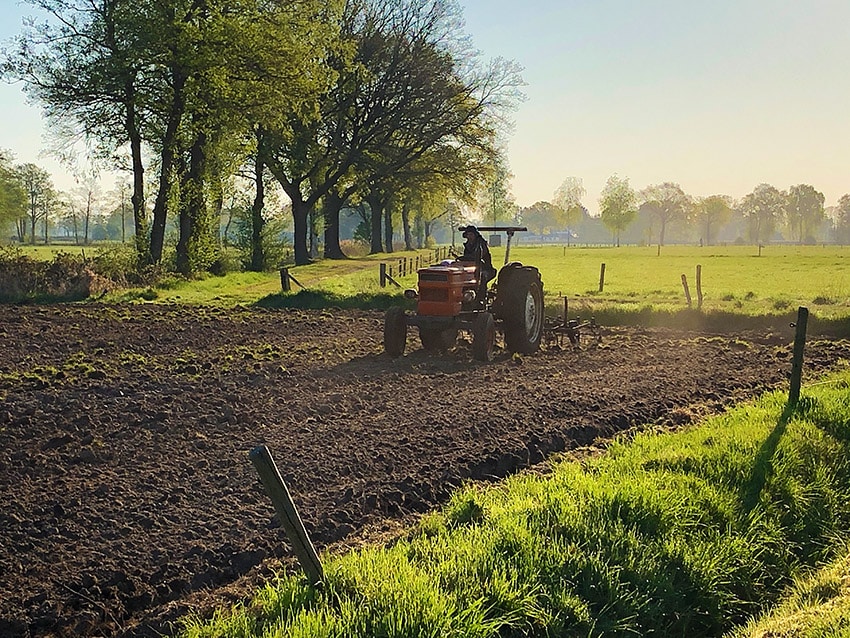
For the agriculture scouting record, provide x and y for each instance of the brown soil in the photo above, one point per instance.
(128, 496)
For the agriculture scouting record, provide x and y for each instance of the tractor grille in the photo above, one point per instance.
(434, 294)
(433, 276)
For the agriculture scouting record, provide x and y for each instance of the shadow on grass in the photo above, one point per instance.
(717, 321)
(319, 300)
(763, 465)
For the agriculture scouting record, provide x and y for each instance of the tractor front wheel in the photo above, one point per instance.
(523, 311)
(483, 336)
(395, 331)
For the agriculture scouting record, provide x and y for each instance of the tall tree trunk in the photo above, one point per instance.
(184, 225)
(331, 206)
(194, 226)
(258, 258)
(314, 236)
(418, 229)
(140, 222)
(376, 207)
(168, 155)
(405, 224)
(300, 210)
(388, 227)
(76, 230)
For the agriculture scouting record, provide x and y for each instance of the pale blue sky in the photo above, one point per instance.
(718, 96)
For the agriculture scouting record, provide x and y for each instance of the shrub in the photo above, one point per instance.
(66, 278)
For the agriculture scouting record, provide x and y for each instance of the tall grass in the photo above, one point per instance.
(686, 534)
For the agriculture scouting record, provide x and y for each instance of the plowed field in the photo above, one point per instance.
(127, 493)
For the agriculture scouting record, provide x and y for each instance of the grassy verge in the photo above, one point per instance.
(817, 606)
(687, 533)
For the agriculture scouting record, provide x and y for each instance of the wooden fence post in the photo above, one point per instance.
(284, 280)
(602, 277)
(382, 268)
(699, 286)
(687, 290)
(797, 362)
(263, 462)
(566, 309)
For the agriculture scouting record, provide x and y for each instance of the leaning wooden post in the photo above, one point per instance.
(797, 362)
(687, 290)
(382, 268)
(602, 277)
(699, 286)
(284, 280)
(262, 459)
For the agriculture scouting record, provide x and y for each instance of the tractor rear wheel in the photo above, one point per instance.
(395, 331)
(438, 339)
(522, 311)
(483, 336)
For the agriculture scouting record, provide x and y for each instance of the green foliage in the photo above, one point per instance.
(12, 196)
(689, 533)
(763, 210)
(617, 204)
(24, 279)
(276, 246)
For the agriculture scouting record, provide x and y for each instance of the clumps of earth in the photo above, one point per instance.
(128, 495)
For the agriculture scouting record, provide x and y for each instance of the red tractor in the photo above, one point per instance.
(450, 298)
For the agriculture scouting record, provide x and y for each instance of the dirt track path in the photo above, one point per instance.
(124, 432)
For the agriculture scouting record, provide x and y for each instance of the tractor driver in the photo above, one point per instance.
(475, 249)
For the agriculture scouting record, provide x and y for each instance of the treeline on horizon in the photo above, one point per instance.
(663, 213)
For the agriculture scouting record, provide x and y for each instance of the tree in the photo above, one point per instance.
(617, 205)
(497, 203)
(84, 66)
(542, 217)
(13, 203)
(39, 193)
(804, 211)
(184, 78)
(568, 198)
(411, 86)
(666, 203)
(710, 213)
(842, 220)
(763, 210)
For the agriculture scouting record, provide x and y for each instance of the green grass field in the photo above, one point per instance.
(735, 279)
(741, 289)
(40, 251)
(688, 534)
